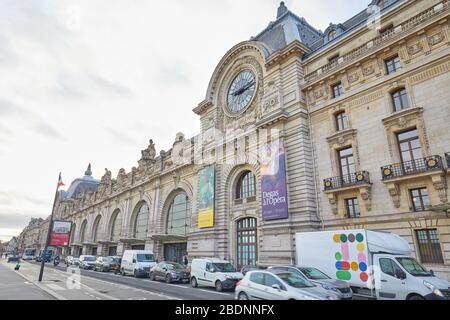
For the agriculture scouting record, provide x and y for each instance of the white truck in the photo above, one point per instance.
(376, 264)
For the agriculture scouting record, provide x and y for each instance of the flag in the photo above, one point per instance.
(60, 182)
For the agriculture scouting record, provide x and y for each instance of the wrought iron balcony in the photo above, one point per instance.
(447, 158)
(345, 181)
(398, 170)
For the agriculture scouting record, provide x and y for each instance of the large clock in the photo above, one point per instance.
(241, 91)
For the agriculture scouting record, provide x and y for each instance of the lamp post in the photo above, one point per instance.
(50, 224)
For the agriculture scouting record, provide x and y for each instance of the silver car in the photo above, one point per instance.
(279, 285)
(340, 288)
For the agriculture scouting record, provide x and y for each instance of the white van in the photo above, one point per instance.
(137, 262)
(213, 272)
(375, 264)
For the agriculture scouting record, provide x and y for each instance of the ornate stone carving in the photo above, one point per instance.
(354, 77)
(366, 196)
(332, 199)
(318, 93)
(149, 153)
(436, 38)
(368, 70)
(440, 185)
(414, 48)
(394, 192)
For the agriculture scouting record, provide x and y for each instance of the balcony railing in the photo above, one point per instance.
(348, 180)
(447, 158)
(397, 170)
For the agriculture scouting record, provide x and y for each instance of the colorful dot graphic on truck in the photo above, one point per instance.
(344, 265)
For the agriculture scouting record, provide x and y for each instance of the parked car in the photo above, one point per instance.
(87, 262)
(69, 260)
(275, 284)
(137, 262)
(338, 287)
(169, 272)
(76, 262)
(246, 269)
(214, 272)
(115, 264)
(13, 258)
(103, 264)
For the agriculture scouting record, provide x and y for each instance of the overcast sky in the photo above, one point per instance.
(93, 80)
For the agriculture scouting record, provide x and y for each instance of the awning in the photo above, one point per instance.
(168, 237)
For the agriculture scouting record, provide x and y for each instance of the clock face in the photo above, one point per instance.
(241, 91)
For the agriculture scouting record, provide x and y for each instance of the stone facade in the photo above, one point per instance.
(295, 68)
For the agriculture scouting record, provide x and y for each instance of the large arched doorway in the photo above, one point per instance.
(115, 232)
(178, 224)
(246, 240)
(83, 231)
(140, 226)
(95, 234)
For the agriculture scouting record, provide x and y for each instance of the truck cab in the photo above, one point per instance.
(403, 278)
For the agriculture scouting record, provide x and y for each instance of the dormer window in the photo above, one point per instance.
(331, 35)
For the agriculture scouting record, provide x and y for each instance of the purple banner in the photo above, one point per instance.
(273, 183)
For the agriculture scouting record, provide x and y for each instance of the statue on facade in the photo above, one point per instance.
(106, 179)
(150, 152)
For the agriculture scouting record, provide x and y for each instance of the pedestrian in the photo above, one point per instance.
(186, 261)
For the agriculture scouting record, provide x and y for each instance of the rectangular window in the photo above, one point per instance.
(429, 246)
(346, 164)
(410, 150)
(392, 64)
(352, 208)
(341, 121)
(400, 100)
(420, 199)
(337, 89)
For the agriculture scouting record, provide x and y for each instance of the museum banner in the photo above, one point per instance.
(206, 194)
(273, 182)
(60, 234)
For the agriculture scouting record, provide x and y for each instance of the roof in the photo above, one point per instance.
(289, 27)
(83, 184)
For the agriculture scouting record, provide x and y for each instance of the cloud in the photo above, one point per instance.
(118, 136)
(110, 86)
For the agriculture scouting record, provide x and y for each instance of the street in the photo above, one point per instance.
(91, 285)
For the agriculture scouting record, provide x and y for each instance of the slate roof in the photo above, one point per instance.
(85, 183)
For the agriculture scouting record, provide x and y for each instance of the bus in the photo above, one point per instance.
(28, 254)
(48, 256)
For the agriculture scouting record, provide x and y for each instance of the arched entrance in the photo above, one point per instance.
(114, 232)
(140, 226)
(246, 241)
(176, 228)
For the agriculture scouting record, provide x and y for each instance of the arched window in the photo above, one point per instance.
(332, 35)
(83, 231)
(95, 230)
(116, 226)
(140, 222)
(246, 186)
(246, 242)
(179, 215)
(72, 232)
(400, 99)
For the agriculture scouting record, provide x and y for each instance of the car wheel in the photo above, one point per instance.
(416, 297)
(168, 278)
(136, 274)
(152, 276)
(194, 283)
(242, 296)
(122, 272)
(219, 286)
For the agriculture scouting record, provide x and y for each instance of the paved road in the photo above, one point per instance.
(15, 287)
(170, 291)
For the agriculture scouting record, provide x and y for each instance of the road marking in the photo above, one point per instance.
(55, 287)
(209, 291)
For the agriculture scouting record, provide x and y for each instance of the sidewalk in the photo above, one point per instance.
(15, 287)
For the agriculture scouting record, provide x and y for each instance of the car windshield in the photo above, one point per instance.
(224, 267)
(175, 266)
(89, 258)
(145, 257)
(413, 267)
(314, 274)
(295, 281)
(116, 259)
(107, 259)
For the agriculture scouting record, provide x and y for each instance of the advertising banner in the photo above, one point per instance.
(60, 234)
(273, 182)
(206, 194)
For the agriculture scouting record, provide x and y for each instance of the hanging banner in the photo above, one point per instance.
(273, 182)
(60, 235)
(206, 195)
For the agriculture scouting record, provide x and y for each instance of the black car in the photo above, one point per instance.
(13, 258)
(169, 271)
